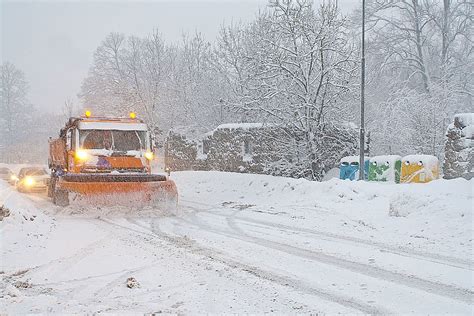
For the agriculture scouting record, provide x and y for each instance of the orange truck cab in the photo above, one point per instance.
(106, 160)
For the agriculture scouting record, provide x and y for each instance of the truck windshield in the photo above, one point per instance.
(112, 140)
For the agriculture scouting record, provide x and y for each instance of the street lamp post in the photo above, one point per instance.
(362, 99)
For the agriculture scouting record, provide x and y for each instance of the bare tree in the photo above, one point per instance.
(14, 103)
(168, 85)
(295, 68)
(420, 70)
(69, 108)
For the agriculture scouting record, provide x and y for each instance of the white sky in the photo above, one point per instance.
(53, 42)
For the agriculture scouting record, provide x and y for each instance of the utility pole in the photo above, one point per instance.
(362, 100)
(221, 103)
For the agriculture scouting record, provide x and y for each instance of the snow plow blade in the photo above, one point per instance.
(131, 190)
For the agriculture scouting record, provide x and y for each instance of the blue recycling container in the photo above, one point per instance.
(349, 166)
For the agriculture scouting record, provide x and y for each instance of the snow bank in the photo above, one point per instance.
(21, 211)
(437, 215)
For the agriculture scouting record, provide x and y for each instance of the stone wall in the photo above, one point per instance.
(254, 148)
(233, 148)
(180, 153)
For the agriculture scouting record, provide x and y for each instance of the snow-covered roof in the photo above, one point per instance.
(427, 160)
(350, 159)
(120, 126)
(386, 158)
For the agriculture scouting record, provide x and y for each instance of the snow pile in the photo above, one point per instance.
(440, 211)
(20, 211)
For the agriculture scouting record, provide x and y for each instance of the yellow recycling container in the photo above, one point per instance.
(419, 169)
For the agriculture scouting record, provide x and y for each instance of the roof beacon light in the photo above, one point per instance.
(132, 115)
(88, 113)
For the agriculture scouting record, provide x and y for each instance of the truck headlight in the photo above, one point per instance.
(81, 155)
(149, 155)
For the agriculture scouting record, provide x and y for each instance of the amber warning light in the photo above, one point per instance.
(88, 113)
(133, 115)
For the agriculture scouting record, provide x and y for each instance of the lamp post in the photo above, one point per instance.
(362, 100)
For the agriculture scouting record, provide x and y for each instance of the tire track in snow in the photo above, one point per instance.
(66, 262)
(414, 254)
(445, 290)
(402, 251)
(214, 255)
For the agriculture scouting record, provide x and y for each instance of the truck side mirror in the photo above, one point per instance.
(69, 140)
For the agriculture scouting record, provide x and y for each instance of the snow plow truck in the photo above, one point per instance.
(107, 161)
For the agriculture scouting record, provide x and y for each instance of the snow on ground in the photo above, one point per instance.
(243, 243)
(436, 216)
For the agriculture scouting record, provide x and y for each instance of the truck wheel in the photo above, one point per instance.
(51, 187)
(60, 198)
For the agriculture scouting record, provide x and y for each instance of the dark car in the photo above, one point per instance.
(32, 179)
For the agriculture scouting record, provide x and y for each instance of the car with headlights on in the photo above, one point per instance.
(32, 179)
(7, 175)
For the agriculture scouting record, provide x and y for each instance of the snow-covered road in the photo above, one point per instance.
(247, 243)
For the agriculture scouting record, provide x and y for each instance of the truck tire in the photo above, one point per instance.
(51, 186)
(60, 198)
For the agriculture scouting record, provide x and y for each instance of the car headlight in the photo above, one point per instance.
(81, 155)
(29, 181)
(149, 155)
(13, 177)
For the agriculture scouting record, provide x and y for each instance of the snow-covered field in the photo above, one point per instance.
(243, 243)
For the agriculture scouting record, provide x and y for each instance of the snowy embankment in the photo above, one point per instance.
(436, 216)
(245, 243)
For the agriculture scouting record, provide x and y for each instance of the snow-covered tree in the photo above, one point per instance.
(459, 147)
(292, 67)
(167, 84)
(15, 108)
(420, 71)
